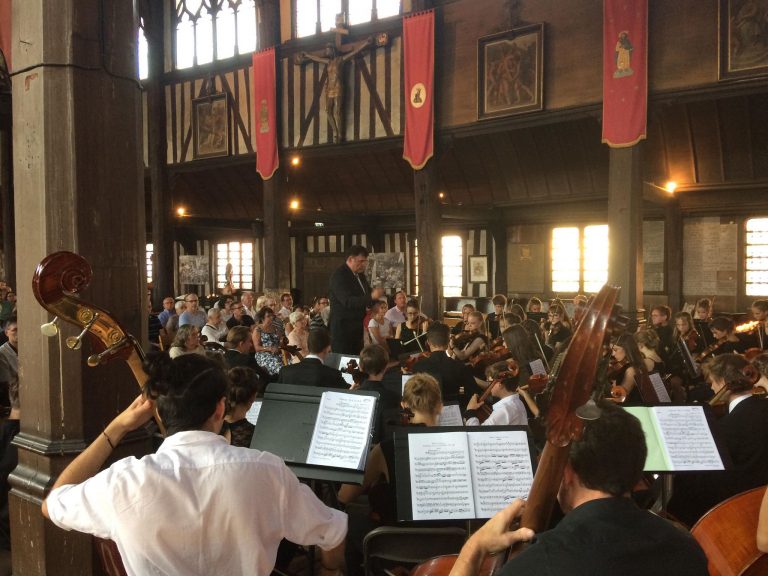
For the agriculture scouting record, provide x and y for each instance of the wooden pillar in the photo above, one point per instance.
(428, 236)
(157, 145)
(673, 250)
(625, 225)
(79, 187)
(498, 231)
(277, 253)
(6, 195)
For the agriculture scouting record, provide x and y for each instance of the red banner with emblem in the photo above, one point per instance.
(419, 64)
(265, 113)
(625, 71)
(5, 31)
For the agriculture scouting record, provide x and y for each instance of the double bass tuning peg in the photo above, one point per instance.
(50, 329)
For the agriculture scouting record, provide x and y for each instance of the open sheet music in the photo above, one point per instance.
(678, 438)
(342, 430)
(464, 475)
(253, 413)
(450, 416)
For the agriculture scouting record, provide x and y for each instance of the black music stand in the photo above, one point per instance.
(285, 426)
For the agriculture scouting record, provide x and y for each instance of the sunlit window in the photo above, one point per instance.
(234, 264)
(579, 259)
(213, 30)
(757, 257)
(453, 269)
(143, 55)
(150, 265)
(313, 16)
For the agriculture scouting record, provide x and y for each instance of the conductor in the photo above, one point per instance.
(350, 294)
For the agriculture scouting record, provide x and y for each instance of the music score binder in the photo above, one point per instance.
(461, 473)
(288, 422)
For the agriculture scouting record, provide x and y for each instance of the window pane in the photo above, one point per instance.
(387, 8)
(239, 257)
(225, 33)
(566, 258)
(328, 11)
(595, 257)
(150, 251)
(185, 43)
(204, 38)
(306, 17)
(360, 11)
(143, 56)
(757, 257)
(246, 27)
(452, 261)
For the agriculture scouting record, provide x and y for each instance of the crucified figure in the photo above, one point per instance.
(334, 90)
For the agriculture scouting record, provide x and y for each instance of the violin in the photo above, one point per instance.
(710, 350)
(410, 362)
(615, 367)
(692, 341)
(485, 409)
(57, 281)
(464, 339)
(291, 349)
(353, 370)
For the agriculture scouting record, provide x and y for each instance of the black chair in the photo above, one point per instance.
(396, 546)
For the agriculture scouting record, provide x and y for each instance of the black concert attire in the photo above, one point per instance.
(312, 372)
(558, 335)
(458, 328)
(350, 296)
(408, 335)
(494, 330)
(634, 396)
(452, 375)
(387, 408)
(9, 458)
(729, 347)
(233, 358)
(241, 433)
(610, 536)
(667, 344)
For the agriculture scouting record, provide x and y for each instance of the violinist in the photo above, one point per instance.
(455, 377)
(760, 314)
(411, 332)
(493, 319)
(509, 409)
(726, 341)
(374, 360)
(537, 339)
(660, 318)
(460, 327)
(627, 366)
(603, 531)
(557, 327)
(684, 329)
(744, 430)
(648, 343)
(475, 340)
(580, 304)
(703, 310)
(534, 305)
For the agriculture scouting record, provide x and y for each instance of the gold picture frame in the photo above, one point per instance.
(210, 126)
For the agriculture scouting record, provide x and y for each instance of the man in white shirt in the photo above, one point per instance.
(509, 410)
(396, 314)
(247, 301)
(184, 510)
(286, 306)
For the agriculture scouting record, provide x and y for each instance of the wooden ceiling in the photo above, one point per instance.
(699, 144)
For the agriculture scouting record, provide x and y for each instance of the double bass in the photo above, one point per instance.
(571, 391)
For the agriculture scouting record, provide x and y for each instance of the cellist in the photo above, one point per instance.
(603, 531)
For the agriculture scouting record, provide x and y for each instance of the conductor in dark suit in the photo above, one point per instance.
(311, 371)
(450, 373)
(350, 296)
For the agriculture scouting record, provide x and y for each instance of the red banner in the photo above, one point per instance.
(264, 107)
(419, 63)
(5, 31)
(625, 71)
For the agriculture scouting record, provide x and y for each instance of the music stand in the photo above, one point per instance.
(702, 327)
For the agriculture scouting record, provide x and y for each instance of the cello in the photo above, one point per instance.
(57, 281)
(571, 391)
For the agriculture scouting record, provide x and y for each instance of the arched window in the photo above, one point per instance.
(316, 16)
(208, 30)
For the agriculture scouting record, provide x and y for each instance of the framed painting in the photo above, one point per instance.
(478, 268)
(210, 126)
(743, 38)
(510, 72)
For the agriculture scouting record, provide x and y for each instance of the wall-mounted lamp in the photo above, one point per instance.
(670, 186)
(294, 205)
(295, 161)
(181, 211)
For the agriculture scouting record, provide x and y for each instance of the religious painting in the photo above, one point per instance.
(387, 270)
(210, 126)
(743, 38)
(478, 268)
(510, 72)
(193, 270)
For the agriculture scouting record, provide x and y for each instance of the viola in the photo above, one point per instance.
(410, 362)
(56, 283)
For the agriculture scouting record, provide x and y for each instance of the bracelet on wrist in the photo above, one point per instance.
(109, 440)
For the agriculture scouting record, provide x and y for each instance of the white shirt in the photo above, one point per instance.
(214, 333)
(395, 316)
(197, 318)
(508, 411)
(198, 506)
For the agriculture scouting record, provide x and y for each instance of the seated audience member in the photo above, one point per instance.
(299, 334)
(239, 351)
(239, 317)
(311, 371)
(215, 330)
(245, 386)
(193, 315)
(186, 341)
(286, 306)
(411, 333)
(373, 362)
(9, 458)
(173, 321)
(461, 326)
(477, 344)
(266, 342)
(190, 490)
(379, 328)
(499, 304)
(396, 315)
(9, 360)
(455, 378)
(167, 311)
(509, 409)
(603, 467)
(744, 431)
(224, 304)
(320, 304)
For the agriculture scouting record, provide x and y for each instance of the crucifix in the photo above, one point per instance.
(334, 57)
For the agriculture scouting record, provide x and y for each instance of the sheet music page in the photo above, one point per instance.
(537, 367)
(656, 460)
(253, 413)
(342, 430)
(441, 483)
(450, 416)
(348, 379)
(658, 386)
(501, 469)
(405, 377)
(687, 438)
